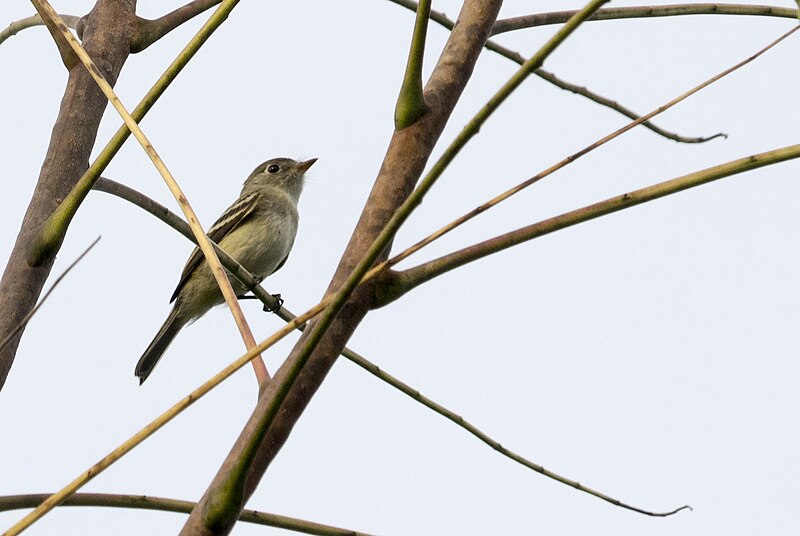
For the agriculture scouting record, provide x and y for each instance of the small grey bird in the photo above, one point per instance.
(258, 230)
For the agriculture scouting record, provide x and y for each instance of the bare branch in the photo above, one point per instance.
(26, 319)
(161, 212)
(458, 420)
(406, 280)
(614, 105)
(30, 22)
(411, 102)
(640, 12)
(150, 31)
(161, 504)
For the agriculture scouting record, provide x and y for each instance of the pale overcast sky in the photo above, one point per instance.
(651, 354)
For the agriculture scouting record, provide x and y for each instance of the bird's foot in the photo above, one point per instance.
(268, 309)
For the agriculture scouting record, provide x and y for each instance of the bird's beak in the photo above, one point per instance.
(303, 166)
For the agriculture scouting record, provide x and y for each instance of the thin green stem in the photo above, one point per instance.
(413, 277)
(411, 102)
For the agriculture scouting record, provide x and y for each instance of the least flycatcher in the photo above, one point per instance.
(258, 230)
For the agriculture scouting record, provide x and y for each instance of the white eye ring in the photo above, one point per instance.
(273, 168)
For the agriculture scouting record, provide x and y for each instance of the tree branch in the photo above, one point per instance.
(30, 22)
(46, 295)
(150, 31)
(406, 280)
(161, 504)
(640, 12)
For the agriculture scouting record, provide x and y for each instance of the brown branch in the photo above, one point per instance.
(547, 76)
(641, 12)
(403, 164)
(30, 22)
(107, 39)
(161, 504)
(150, 31)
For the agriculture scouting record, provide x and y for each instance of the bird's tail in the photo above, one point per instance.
(149, 360)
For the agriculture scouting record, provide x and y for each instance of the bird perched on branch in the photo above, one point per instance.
(258, 230)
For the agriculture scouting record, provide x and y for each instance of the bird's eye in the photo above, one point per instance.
(274, 168)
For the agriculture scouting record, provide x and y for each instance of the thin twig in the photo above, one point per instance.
(568, 160)
(162, 504)
(30, 22)
(413, 277)
(58, 280)
(642, 12)
(475, 431)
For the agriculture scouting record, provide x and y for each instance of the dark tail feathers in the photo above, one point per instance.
(162, 340)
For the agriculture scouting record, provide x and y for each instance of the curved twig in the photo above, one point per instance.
(642, 12)
(413, 277)
(46, 295)
(162, 504)
(30, 22)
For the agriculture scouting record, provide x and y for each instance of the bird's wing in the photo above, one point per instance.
(229, 220)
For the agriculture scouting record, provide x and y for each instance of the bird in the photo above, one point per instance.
(258, 230)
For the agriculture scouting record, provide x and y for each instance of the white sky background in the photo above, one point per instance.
(650, 354)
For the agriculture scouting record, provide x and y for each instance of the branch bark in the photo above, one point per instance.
(107, 39)
(150, 31)
(161, 504)
(403, 164)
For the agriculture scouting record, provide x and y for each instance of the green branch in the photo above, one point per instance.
(411, 102)
(406, 280)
